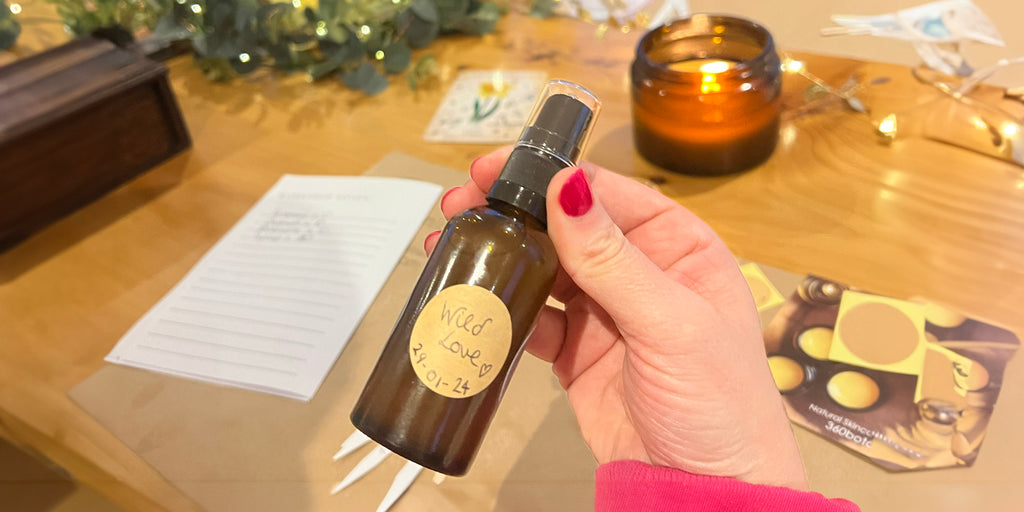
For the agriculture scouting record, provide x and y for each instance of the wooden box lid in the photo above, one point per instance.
(54, 84)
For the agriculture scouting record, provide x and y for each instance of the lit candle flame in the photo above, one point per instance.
(717, 66)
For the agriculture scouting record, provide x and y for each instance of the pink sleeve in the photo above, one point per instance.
(629, 485)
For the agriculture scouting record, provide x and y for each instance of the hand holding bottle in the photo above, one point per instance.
(659, 346)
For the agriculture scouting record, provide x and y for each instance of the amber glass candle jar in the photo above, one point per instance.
(706, 95)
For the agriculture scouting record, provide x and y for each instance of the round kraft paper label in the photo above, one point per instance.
(460, 341)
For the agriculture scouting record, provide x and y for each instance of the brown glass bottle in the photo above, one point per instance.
(497, 247)
(475, 302)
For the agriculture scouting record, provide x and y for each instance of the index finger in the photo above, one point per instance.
(629, 202)
(484, 171)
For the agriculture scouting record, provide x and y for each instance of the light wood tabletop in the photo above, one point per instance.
(915, 218)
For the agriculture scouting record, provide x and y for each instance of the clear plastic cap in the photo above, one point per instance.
(553, 139)
(561, 121)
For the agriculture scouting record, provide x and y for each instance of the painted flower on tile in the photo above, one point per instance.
(489, 97)
(495, 87)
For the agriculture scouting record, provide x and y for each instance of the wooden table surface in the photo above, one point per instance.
(915, 218)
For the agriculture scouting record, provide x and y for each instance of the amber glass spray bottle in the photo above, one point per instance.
(451, 354)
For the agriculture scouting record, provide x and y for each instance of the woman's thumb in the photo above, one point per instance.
(598, 257)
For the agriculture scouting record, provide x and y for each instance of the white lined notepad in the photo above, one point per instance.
(273, 303)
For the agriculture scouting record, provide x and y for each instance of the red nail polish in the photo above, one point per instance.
(575, 196)
(445, 196)
(427, 239)
(472, 167)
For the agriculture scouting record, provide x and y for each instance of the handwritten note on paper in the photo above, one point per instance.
(273, 303)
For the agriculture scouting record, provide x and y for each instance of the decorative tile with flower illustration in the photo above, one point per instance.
(485, 107)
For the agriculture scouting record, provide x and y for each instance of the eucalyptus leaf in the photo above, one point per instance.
(359, 76)
(424, 68)
(377, 85)
(321, 69)
(292, 19)
(9, 31)
(330, 10)
(105, 11)
(349, 51)
(9, 27)
(216, 70)
(450, 12)
(336, 33)
(542, 8)
(222, 46)
(170, 29)
(300, 60)
(425, 10)
(221, 13)
(397, 57)
(485, 18)
(365, 78)
(245, 16)
(479, 19)
(251, 63)
(310, 15)
(267, 21)
(86, 23)
(419, 32)
(280, 54)
(375, 40)
(199, 46)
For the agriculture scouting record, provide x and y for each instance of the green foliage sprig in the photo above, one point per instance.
(9, 26)
(358, 41)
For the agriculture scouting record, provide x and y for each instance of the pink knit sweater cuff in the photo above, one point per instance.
(630, 485)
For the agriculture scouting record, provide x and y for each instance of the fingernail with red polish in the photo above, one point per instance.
(426, 240)
(575, 196)
(472, 166)
(445, 196)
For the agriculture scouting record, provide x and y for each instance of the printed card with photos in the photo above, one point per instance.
(485, 107)
(909, 384)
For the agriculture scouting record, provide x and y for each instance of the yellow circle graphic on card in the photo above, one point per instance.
(853, 390)
(788, 374)
(460, 341)
(878, 333)
(816, 342)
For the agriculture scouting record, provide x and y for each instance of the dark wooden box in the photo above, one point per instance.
(76, 122)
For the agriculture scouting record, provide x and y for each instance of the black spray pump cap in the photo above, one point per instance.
(553, 139)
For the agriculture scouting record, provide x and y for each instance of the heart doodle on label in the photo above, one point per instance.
(485, 368)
